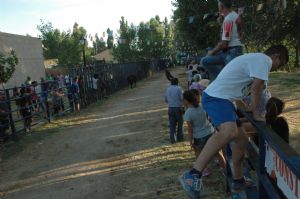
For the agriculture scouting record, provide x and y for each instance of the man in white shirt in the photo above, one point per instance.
(230, 45)
(242, 76)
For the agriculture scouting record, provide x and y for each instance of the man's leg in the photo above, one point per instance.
(238, 151)
(213, 64)
(172, 124)
(232, 53)
(180, 124)
(227, 132)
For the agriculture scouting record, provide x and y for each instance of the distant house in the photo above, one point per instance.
(105, 56)
(30, 54)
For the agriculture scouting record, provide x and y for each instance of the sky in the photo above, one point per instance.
(22, 16)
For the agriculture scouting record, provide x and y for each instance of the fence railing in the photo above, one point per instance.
(277, 166)
(28, 105)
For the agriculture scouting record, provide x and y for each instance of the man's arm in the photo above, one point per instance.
(220, 46)
(256, 92)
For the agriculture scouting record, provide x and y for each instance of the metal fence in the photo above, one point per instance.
(30, 104)
(276, 165)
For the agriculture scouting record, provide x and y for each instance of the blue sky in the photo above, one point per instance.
(22, 16)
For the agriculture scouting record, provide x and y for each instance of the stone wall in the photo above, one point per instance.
(30, 54)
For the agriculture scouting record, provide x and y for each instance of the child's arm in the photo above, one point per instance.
(190, 133)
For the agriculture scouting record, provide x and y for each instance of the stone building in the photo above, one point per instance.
(30, 54)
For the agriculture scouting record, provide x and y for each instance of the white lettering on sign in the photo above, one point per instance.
(286, 180)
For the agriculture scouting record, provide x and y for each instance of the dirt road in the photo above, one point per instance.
(118, 148)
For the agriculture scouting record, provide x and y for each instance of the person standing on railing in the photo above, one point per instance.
(230, 45)
(251, 71)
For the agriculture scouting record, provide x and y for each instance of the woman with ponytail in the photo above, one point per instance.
(199, 128)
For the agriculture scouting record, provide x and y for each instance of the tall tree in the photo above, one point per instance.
(110, 39)
(64, 46)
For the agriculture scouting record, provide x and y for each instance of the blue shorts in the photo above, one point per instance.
(219, 110)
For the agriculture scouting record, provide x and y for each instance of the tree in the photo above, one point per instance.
(64, 46)
(7, 66)
(126, 50)
(98, 44)
(190, 28)
(148, 40)
(110, 39)
(264, 23)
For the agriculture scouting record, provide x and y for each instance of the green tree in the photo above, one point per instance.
(110, 39)
(190, 28)
(64, 46)
(126, 48)
(7, 66)
(98, 44)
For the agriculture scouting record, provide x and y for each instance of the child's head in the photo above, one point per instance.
(274, 107)
(274, 101)
(191, 97)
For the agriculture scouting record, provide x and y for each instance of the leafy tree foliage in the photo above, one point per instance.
(64, 46)
(148, 40)
(7, 66)
(264, 23)
(110, 39)
(99, 44)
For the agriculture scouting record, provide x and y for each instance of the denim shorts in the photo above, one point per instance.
(219, 110)
(199, 143)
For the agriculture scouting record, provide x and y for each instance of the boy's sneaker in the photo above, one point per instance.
(192, 184)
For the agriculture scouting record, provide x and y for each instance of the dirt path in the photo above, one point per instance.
(116, 149)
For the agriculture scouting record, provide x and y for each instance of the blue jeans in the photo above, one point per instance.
(175, 120)
(215, 63)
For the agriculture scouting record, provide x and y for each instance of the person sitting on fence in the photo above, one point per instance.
(25, 103)
(4, 120)
(230, 45)
(198, 125)
(251, 71)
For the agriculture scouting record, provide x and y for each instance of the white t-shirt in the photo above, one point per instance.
(231, 29)
(235, 80)
(200, 124)
(95, 83)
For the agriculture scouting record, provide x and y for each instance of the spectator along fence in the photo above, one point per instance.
(276, 165)
(28, 105)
